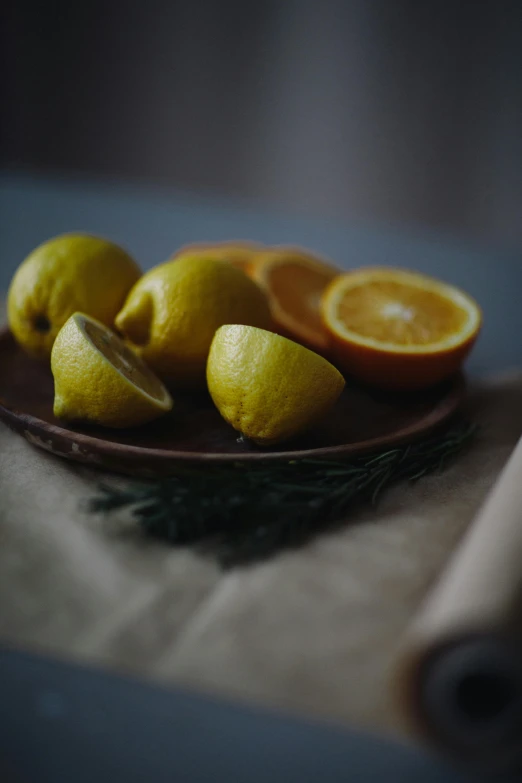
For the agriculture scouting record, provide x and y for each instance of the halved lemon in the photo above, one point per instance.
(294, 281)
(97, 378)
(398, 329)
(239, 253)
(266, 386)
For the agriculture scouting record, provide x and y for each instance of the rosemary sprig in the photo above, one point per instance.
(242, 513)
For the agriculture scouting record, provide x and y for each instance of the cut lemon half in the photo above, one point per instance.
(294, 281)
(240, 254)
(398, 329)
(97, 378)
(266, 386)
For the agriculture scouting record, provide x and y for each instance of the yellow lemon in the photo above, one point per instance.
(98, 379)
(67, 274)
(266, 386)
(173, 312)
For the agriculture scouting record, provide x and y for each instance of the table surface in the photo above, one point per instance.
(151, 224)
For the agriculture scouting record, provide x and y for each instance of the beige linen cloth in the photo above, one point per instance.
(315, 630)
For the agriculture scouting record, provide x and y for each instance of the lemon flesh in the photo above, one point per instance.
(70, 273)
(266, 386)
(98, 379)
(172, 313)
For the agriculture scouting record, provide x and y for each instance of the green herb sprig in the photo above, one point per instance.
(243, 513)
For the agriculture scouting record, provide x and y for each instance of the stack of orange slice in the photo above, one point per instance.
(388, 327)
(239, 253)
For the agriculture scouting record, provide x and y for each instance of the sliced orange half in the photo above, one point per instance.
(398, 329)
(239, 253)
(294, 281)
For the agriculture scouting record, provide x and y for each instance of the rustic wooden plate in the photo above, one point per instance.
(195, 432)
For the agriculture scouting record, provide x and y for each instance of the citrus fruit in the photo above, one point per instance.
(70, 273)
(294, 282)
(172, 313)
(398, 329)
(98, 379)
(266, 386)
(240, 254)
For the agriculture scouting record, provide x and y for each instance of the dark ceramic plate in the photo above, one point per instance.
(361, 421)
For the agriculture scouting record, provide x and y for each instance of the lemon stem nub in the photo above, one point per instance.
(135, 323)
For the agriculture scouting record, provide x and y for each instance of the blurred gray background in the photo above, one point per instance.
(404, 111)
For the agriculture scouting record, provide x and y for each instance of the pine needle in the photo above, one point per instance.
(242, 513)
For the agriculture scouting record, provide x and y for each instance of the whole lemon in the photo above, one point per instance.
(70, 273)
(172, 313)
(266, 386)
(99, 380)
